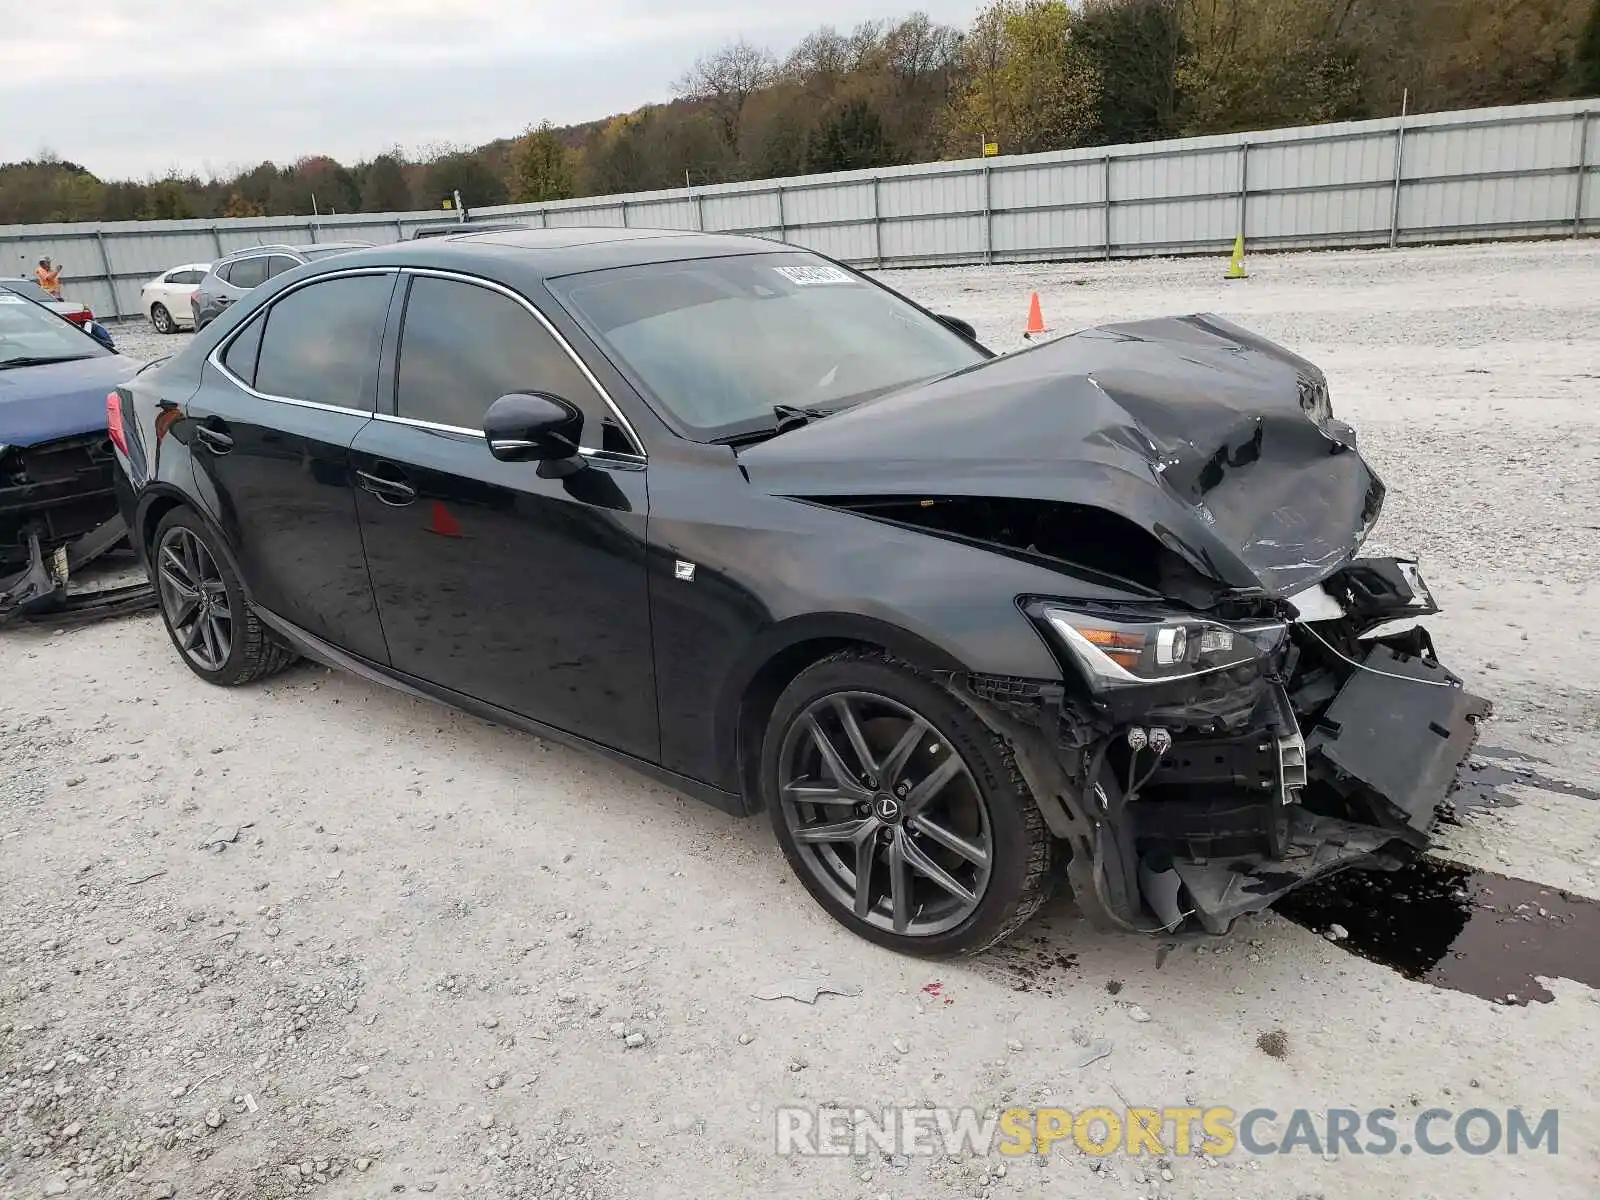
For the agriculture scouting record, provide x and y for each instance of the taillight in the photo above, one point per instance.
(81, 318)
(118, 435)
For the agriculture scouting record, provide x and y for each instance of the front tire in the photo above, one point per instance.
(902, 814)
(216, 633)
(162, 319)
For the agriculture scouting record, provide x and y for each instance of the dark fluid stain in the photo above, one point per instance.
(1457, 928)
(1032, 964)
(1481, 786)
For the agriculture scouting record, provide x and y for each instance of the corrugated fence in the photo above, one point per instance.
(1491, 173)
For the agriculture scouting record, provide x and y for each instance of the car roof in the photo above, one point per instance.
(281, 247)
(533, 255)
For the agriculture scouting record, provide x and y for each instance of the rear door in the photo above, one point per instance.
(508, 582)
(271, 426)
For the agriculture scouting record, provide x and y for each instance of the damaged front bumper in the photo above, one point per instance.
(1208, 798)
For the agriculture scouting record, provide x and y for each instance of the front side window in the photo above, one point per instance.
(321, 342)
(464, 346)
(721, 343)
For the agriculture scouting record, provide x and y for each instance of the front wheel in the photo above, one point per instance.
(901, 812)
(162, 319)
(217, 634)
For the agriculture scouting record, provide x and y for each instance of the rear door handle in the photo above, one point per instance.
(216, 441)
(390, 491)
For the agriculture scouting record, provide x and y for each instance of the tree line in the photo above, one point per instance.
(1026, 75)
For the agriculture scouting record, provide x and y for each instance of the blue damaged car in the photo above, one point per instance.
(58, 506)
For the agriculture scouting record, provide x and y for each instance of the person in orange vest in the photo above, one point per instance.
(49, 279)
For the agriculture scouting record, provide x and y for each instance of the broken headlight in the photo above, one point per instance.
(1126, 651)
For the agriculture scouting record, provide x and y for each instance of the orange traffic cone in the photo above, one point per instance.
(1035, 318)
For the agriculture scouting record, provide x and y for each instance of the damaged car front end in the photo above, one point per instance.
(62, 537)
(1245, 703)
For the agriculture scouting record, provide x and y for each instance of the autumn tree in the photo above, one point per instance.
(724, 81)
(541, 167)
(1031, 84)
(1586, 57)
(850, 139)
(1136, 47)
(238, 206)
(383, 186)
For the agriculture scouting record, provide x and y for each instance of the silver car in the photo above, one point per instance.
(232, 275)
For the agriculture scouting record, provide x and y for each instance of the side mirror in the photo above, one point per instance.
(100, 334)
(532, 427)
(960, 326)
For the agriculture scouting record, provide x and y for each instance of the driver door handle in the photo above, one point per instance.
(390, 491)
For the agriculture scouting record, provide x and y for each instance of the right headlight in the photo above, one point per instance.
(1128, 651)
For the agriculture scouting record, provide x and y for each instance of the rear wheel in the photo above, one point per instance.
(162, 319)
(215, 631)
(900, 811)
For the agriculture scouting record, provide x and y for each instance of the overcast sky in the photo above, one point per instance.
(131, 88)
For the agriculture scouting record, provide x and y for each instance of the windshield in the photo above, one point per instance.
(28, 333)
(720, 343)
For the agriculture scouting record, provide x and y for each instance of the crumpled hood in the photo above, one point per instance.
(1191, 427)
(57, 400)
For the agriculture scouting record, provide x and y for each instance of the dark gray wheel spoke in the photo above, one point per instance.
(895, 764)
(971, 851)
(931, 784)
(866, 856)
(835, 765)
(811, 793)
(857, 739)
(899, 884)
(923, 865)
(833, 831)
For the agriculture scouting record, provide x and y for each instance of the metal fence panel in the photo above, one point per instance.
(1531, 171)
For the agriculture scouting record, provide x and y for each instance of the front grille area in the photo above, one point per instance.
(62, 489)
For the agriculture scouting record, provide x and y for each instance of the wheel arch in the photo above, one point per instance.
(161, 499)
(778, 657)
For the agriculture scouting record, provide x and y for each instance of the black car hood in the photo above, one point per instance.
(1190, 427)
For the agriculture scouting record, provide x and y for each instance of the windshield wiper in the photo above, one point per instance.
(40, 360)
(789, 416)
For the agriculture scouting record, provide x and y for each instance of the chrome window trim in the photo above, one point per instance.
(583, 367)
(214, 359)
(622, 458)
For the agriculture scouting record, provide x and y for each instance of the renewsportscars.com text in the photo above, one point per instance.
(1216, 1131)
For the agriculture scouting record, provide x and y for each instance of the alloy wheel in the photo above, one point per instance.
(885, 813)
(161, 319)
(194, 599)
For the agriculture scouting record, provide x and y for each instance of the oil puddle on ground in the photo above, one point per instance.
(1458, 928)
(1482, 785)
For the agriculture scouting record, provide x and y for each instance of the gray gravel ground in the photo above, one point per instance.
(316, 938)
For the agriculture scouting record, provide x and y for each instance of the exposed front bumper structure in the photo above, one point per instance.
(58, 515)
(1212, 808)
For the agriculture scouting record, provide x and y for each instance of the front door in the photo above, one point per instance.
(270, 436)
(508, 582)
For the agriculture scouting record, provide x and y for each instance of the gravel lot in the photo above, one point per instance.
(318, 938)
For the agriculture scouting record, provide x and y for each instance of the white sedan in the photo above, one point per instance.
(165, 299)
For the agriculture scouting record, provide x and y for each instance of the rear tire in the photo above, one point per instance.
(940, 803)
(162, 319)
(216, 633)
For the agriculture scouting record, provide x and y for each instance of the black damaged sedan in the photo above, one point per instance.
(966, 626)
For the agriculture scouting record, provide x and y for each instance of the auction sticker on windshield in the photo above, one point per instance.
(811, 276)
(11, 298)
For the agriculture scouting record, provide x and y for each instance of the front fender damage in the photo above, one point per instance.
(1337, 761)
